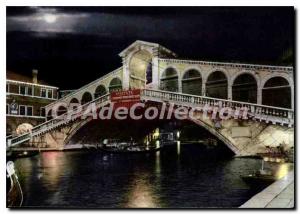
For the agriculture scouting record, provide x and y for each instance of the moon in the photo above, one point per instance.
(50, 18)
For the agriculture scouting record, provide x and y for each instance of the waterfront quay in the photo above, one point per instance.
(278, 195)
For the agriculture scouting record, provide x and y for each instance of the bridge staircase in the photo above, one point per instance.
(55, 122)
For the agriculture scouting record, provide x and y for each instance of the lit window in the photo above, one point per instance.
(22, 90)
(22, 110)
(42, 112)
(149, 73)
(50, 93)
(29, 110)
(29, 90)
(43, 92)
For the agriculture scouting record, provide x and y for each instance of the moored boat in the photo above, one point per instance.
(21, 154)
(15, 193)
(115, 146)
(130, 149)
(261, 176)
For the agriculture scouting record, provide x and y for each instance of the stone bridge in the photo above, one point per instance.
(267, 91)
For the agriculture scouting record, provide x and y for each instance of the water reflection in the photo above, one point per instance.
(178, 147)
(51, 168)
(282, 170)
(141, 195)
(183, 175)
(157, 162)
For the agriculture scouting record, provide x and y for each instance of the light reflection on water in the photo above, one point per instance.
(177, 176)
(283, 170)
(141, 195)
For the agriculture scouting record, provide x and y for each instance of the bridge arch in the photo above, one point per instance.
(169, 80)
(100, 91)
(206, 124)
(49, 115)
(192, 82)
(115, 84)
(86, 97)
(73, 102)
(140, 68)
(277, 91)
(61, 110)
(74, 129)
(216, 84)
(245, 87)
(217, 134)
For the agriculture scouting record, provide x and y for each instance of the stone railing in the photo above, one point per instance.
(235, 65)
(265, 113)
(55, 122)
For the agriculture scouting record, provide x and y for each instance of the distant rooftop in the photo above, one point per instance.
(11, 75)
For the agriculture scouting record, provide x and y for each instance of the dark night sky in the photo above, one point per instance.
(83, 42)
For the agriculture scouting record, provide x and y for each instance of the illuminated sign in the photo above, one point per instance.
(125, 98)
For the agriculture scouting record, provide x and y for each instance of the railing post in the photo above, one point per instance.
(259, 96)
(203, 88)
(290, 115)
(229, 89)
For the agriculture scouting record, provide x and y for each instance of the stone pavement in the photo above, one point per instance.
(280, 194)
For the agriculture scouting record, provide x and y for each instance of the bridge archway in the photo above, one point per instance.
(217, 85)
(140, 67)
(86, 97)
(277, 92)
(115, 84)
(74, 101)
(115, 131)
(49, 115)
(192, 82)
(169, 80)
(61, 110)
(244, 88)
(100, 91)
(205, 123)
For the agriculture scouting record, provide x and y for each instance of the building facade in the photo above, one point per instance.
(26, 98)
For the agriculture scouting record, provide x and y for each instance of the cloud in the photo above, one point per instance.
(63, 22)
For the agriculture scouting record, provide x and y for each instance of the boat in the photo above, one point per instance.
(261, 176)
(21, 154)
(130, 149)
(15, 193)
(116, 146)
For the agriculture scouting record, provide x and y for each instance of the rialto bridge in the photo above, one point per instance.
(267, 91)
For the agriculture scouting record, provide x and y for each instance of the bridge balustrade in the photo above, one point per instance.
(262, 112)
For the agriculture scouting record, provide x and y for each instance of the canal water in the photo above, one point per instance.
(178, 176)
